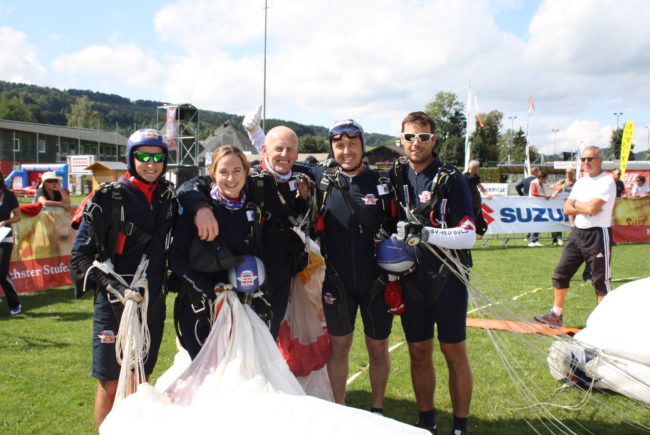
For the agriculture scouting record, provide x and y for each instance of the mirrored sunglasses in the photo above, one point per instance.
(143, 157)
(422, 137)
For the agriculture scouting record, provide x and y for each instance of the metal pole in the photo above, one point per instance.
(648, 128)
(617, 114)
(13, 147)
(555, 130)
(264, 92)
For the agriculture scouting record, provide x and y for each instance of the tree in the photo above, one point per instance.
(447, 112)
(485, 140)
(82, 114)
(310, 144)
(15, 109)
(615, 143)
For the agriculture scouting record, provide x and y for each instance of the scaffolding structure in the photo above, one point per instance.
(180, 126)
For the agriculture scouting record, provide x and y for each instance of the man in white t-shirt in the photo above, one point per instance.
(591, 202)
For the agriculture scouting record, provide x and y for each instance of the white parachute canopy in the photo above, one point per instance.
(240, 383)
(613, 350)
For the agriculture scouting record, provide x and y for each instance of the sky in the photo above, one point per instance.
(583, 61)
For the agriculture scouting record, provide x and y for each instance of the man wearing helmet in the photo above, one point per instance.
(354, 212)
(437, 211)
(124, 223)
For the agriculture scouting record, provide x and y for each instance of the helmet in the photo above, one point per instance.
(249, 275)
(144, 137)
(346, 126)
(394, 257)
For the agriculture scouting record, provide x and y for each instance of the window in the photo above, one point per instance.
(41, 146)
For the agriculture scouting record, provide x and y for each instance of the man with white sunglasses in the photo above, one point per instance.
(437, 222)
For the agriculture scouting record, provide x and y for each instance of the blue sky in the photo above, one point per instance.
(374, 61)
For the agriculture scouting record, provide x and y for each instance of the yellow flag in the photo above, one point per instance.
(626, 145)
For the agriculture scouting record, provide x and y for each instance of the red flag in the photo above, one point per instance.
(531, 105)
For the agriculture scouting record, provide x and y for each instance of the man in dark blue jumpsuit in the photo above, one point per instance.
(353, 281)
(282, 206)
(440, 202)
(122, 222)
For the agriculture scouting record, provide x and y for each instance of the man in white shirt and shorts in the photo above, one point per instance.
(591, 202)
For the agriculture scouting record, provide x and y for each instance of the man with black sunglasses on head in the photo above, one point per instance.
(126, 224)
(437, 222)
(354, 211)
(591, 202)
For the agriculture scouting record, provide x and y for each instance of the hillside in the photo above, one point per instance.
(22, 102)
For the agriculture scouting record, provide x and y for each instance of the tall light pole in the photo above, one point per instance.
(647, 127)
(555, 130)
(617, 114)
(266, 8)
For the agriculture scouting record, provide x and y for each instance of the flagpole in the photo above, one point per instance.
(467, 128)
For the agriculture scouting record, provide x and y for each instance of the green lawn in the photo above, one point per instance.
(45, 383)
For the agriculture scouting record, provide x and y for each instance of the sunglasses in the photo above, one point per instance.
(348, 135)
(422, 137)
(143, 157)
(52, 181)
(587, 159)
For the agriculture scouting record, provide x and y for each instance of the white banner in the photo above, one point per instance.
(522, 214)
(496, 189)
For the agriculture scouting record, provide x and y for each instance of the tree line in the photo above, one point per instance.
(96, 110)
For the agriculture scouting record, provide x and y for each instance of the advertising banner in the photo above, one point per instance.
(41, 255)
(631, 220)
(521, 214)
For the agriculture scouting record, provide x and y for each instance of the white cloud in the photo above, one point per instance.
(125, 63)
(18, 59)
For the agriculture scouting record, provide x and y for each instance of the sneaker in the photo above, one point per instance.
(560, 242)
(534, 244)
(550, 318)
(16, 310)
(458, 432)
(433, 429)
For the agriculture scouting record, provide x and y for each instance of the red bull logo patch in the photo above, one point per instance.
(247, 279)
(425, 196)
(107, 337)
(369, 199)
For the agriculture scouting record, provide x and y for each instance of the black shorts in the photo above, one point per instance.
(449, 313)
(340, 306)
(592, 246)
(104, 364)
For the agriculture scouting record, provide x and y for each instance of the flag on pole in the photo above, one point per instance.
(472, 115)
(531, 105)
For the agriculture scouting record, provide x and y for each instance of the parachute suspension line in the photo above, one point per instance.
(462, 273)
(133, 339)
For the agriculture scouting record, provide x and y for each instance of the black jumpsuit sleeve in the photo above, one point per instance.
(194, 193)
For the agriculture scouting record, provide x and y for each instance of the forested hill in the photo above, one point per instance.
(22, 102)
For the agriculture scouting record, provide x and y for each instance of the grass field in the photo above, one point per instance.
(45, 383)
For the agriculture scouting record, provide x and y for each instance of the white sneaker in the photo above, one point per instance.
(560, 242)
(532, 245)
(538, 244)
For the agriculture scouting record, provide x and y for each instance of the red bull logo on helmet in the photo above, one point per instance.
(247, 279)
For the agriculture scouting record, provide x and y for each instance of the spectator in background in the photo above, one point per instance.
(524, 185)
(474, 183)
(50, 193)
(9, 214)
(591, 202)
(537, 189)
(620, 186)
(640, 189)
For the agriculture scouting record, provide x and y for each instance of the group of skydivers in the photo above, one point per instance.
(202, 230)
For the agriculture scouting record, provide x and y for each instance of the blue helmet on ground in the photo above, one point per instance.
(144, 137)
(249, 275)
(394, 257)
